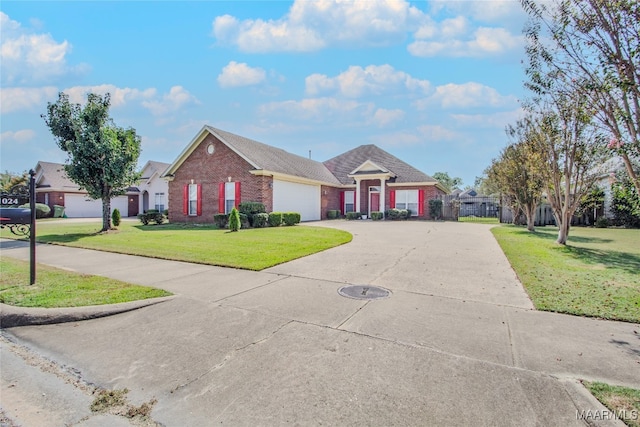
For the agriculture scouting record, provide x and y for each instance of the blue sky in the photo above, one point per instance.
(434, 83)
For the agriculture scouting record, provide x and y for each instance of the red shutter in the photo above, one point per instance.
(421, 202)
(199, 201)
(342, 202)
(237, 201)
(185, 200)
(392, 199)
(221, 198)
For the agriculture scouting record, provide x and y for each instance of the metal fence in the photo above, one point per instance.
(479, 208)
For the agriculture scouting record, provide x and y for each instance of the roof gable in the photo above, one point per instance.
(52, 175)
(347, 163)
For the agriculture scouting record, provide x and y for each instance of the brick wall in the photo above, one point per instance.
(330, 200)
(210, 170)
(55, 198)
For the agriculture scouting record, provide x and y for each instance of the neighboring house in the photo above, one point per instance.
(474, 204)
(218, 170)
(53, 187)
(154, 190)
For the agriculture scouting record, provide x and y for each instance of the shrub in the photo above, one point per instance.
(42, 210)
(291, 218)
(602, 222)
(435, 208)
(244, 220)
(115, 217)
(376, 216)
(275, 219)
(234, 220)
(251, 208)
(260, 220)
(353, 215)
(149, 216)
(333, 214)
(393, 214)
(221, 220)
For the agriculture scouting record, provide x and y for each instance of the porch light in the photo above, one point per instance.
(192, 182)
(229, 179)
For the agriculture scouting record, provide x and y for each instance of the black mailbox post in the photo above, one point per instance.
(22, 221)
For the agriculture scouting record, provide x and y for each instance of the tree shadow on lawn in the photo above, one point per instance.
(625, 261)
(175, 227)
(552, 235)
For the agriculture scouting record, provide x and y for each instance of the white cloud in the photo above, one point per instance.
(371, 80)
(177, 98)
(240, 74)
(313, 25)
(482, 42)
(496, 120)
(396, 139)
(319, 110)
(438, 133)
(26, 57)
(467, 95)
(383, 117)
(119, 96)
(482, 10)
(20, 136)
(23, 98)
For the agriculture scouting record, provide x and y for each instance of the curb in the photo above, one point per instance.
(11, 316)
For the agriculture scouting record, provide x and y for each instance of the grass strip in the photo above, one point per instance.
(623, 402)
(61, 288)
(596, 274)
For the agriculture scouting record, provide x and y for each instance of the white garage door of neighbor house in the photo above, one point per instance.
(294, 197)
(79, 206)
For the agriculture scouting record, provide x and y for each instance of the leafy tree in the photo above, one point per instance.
(591, 202)
(593, 47)
(449, 182)
(102, 157)
(519, 171)
(625, 204)
(9, 180)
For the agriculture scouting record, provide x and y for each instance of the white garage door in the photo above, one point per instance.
(80, 206)
(294, 197)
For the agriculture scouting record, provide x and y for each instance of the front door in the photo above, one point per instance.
(374, 202)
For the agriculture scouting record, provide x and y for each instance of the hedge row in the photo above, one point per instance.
(253, 215)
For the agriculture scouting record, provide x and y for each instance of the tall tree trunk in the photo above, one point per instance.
(563, 227)
(106, 213)
(530, 212)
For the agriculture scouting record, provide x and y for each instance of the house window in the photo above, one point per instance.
(159, 206)
(349, 201)
(193, 199)
(407, 199)
(229, 196)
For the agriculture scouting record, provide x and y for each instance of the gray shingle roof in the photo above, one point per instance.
(54, 176)
(155, 166)
(274, 159)
(341, 166)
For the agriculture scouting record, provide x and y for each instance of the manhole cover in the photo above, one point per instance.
(363, 292)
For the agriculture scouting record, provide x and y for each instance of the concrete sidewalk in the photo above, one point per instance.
(456, 343)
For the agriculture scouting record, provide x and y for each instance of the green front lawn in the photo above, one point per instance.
(624, 402)
(252, 249)
(61, 288)
(597, 274)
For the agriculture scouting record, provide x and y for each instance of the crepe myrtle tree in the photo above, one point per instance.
(593, 47)
(102, 157)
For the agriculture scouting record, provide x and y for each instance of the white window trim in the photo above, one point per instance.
(193, 197)
(405, 193)
(229, 189)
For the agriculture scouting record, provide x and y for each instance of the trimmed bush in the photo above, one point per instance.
(275, 219)
(602, 222)
(353, 215)
(42, 210)
(376, 216)
(149, 216)
(234, 220)
(435, 208)
(260, 220)
(221, 220)
(291, 218)
(333, 214)
(396, 214)
(251, 208)
(244, 220)
(115, 217)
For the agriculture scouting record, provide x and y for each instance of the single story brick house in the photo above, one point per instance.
(218, 170)
(53, 187)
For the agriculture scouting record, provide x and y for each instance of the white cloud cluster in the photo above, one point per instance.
(19, 136)
(467, 95)
(30, 58)
(119, 96)
(313, 25)
(318, 110)
(177, 98)
(22, 98)
(371, 80)
(240, 74)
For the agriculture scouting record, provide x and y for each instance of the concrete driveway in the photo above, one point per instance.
(456, 343)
